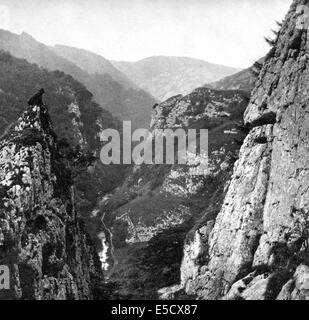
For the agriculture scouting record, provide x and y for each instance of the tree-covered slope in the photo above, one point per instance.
(124, 102)
(74, 112)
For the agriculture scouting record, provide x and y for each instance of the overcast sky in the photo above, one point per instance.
(226, 32)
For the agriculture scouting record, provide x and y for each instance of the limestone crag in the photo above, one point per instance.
(42, 240)
(258, 247)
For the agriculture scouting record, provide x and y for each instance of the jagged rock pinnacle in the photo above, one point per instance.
(37, 100)
(41, 239)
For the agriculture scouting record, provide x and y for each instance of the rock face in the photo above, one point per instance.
(258, 247)
(41, 239)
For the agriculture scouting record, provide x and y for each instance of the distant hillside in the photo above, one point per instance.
(164, 77)
(93, 63)
(123, 102)
(243, 80)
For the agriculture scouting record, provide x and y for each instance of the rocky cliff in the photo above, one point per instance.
(257, 247)
(42, 241)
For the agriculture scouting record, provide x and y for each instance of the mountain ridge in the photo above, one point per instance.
(123, 103)
(92, 63)
(167, 76)
(243, 80)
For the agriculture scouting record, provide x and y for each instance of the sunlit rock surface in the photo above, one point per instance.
(258, 247)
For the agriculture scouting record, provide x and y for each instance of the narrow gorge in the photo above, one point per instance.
(75, 228)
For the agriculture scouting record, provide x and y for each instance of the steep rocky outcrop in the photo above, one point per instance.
(258, 246)
(42, 240)
(151, 213)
